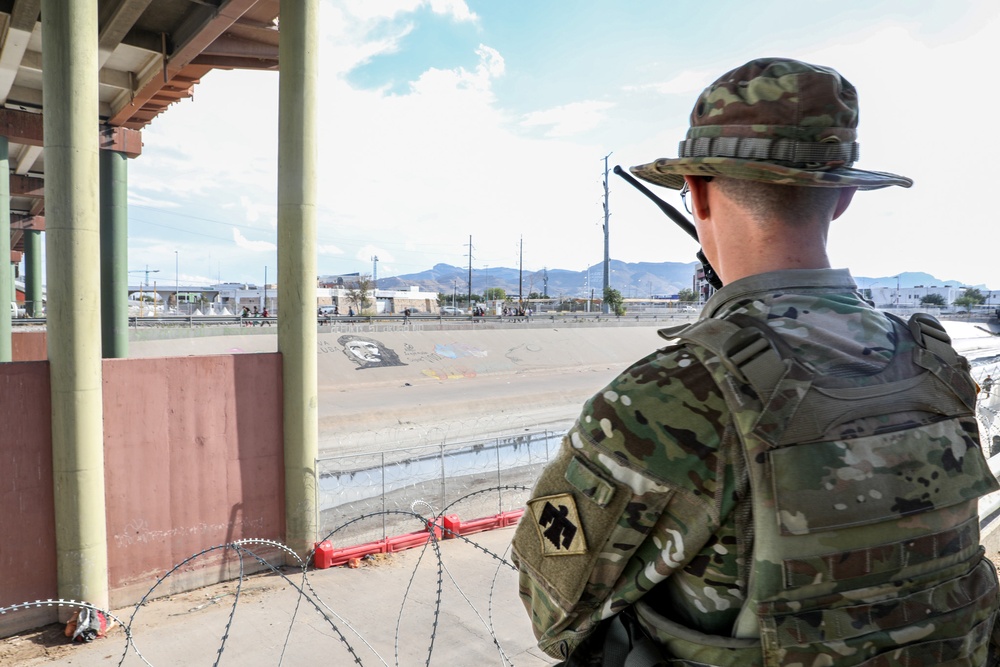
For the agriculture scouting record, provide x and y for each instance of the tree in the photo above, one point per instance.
(358, 293)
(687, 295)
(965, 302)
(971, 298)
(932, 300)
(974, 296)
(613, 298)
(495, 294)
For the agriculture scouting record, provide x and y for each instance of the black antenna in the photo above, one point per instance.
(678, 219)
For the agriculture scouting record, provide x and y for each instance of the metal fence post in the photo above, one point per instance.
(316, 502)
(444, 478)
(382, 469)
(499, 480)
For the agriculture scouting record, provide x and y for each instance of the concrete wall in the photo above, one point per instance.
(194, 451)
(28, 346)
(27, 516)
(193, 459)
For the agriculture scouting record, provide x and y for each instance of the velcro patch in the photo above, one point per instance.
(558, 525)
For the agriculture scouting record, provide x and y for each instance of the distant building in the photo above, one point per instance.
(889, 296)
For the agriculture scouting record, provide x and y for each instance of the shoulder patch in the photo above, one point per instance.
(558, 525)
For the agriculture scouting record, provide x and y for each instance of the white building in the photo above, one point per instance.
(910, 297)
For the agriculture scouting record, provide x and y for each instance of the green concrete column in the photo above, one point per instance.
(114, 255)
(72, 223)
(6, 277)
(33, 272)
(297, 53)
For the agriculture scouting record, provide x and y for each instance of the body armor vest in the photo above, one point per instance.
(863, 507)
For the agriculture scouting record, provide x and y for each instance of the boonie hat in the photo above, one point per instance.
(774, 120)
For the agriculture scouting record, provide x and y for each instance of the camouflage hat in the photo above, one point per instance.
(774, 120)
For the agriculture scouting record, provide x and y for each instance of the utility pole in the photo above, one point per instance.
(545, 282)
(375, 272)
(470, 273)
(520, 276)
(607, 250)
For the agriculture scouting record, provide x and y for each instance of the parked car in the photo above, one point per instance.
(452, 310)
(16, 311)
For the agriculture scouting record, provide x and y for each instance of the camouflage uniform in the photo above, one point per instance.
(648, 504)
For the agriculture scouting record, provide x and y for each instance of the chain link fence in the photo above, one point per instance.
(470, 479)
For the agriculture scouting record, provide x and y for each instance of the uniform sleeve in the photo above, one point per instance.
(631, 498)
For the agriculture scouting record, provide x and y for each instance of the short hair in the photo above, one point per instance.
(773, 202)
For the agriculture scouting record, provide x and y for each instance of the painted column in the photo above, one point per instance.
(33, 272)
(69, 85)
(114, 254)
(7, 276)
(297, 53)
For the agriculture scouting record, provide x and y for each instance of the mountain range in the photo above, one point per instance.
(632, 279)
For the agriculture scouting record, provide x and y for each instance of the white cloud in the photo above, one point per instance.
(688, 82)
(256, 246)
(569, 119)
(366, 253)
(328, 249)
(409, 176)
(251, 210)
(136, 199)
(388, 9)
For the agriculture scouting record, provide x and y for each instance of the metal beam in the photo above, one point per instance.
(189, 40)
(22, 221)
(27, 186)
(21, 127)
(27, 158)
(6, 279)
(23, 17)
(116, 20)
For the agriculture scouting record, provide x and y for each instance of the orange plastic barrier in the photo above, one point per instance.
(443, 528)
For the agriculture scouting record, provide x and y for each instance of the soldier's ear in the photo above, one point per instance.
(846, 195)
(697, 186)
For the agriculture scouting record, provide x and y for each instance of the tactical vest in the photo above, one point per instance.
(864, 520)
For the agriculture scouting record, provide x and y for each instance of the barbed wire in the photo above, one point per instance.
(306, 592)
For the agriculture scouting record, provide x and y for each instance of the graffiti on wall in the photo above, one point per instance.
(368, 352)
(440, 359)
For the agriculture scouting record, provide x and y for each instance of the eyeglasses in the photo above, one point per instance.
(685, 191)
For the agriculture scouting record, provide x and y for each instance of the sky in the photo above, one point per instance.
(443, 120)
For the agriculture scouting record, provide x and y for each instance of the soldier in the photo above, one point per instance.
(793, 479)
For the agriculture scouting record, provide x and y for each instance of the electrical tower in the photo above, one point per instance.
(146, 271)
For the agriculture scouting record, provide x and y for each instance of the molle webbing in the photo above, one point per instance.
(842, 575)
(754, 355)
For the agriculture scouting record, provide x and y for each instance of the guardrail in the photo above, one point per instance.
(236, 321)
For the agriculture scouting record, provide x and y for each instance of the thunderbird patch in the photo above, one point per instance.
(558, 525)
